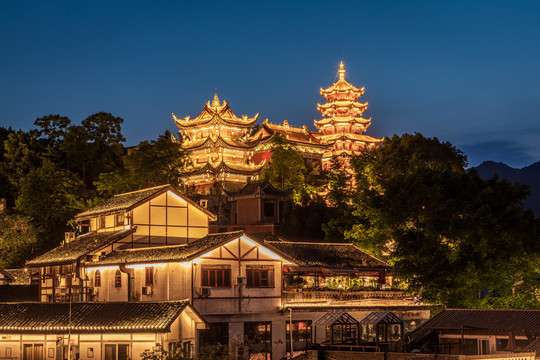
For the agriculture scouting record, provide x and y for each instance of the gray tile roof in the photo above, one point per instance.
(252, 187)
(331, 255)
(90, 317)
(168, 253)
(19, 276)
(123, 201)
(490, 320)
(82, 245)
(126, 201)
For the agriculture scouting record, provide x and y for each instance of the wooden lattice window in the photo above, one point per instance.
(97, 279)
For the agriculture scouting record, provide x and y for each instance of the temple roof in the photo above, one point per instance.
(211, 168)
(351, 137)
(216, 112)
(91, 317)
(334, 105)
(332, 255)
(290, 133)
(344, 119)
(342, 85)
(82, 245)
(184, 252)
(222, 142)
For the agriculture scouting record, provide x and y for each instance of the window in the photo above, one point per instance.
(119, 219)
(301, 335)
(116, 351)
(102, 222)
(216, 276)
(118, 279)
(260, 276)
(97, 279)
(149, 276)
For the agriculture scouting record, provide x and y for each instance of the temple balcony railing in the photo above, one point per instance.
(333, 296)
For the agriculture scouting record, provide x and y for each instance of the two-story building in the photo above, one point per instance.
(153, 247)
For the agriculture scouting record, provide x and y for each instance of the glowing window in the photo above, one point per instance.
(97, 279)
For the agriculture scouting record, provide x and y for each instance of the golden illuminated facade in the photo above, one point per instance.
(221, 147)
(342, 125)
(226, 150)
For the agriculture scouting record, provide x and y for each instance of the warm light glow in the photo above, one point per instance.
(177, 197)
(142, 266)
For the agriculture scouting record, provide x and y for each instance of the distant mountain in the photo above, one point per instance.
(529, 175)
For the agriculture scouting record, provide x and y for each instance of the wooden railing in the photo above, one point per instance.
(333, 296)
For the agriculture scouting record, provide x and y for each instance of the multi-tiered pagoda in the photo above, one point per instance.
(220, 147)
(342, 125)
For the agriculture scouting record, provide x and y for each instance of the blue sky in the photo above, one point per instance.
(464, 71)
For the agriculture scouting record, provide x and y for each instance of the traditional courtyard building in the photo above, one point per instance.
(342, 125)
(221, 147)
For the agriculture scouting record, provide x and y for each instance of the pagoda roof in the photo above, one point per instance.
(345, 119)
(342, 85)
(222, 142)
(216, 112)
(226, 168)
(342, 104)
(352, 137)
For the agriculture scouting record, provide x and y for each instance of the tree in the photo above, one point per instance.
(446, 231)
(152, 163)
(18, 240)
(287, 170)
(50, 196)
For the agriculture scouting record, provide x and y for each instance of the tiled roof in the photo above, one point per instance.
(332, 255)
(81, 246)
(252, 187)
(122, 201)
(493, 320)
(19, 276)
(90, 317)
(168, 253)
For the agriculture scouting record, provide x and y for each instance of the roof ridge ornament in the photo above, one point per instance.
(215, 102)
(341, 71)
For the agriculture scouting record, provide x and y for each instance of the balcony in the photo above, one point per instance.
(336, 297)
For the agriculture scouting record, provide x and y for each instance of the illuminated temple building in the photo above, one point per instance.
(342, 125)
(227, 150)
(220, 147)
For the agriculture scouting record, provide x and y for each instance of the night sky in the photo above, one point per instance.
(467, 72)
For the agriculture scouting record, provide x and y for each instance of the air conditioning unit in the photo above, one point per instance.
(206, 291)
(240, 280)
(147, 290)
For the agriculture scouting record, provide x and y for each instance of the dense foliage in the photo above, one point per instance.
(445, 230)
(58, 169)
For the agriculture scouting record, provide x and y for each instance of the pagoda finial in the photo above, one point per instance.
(215, 102)
(341, 71)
